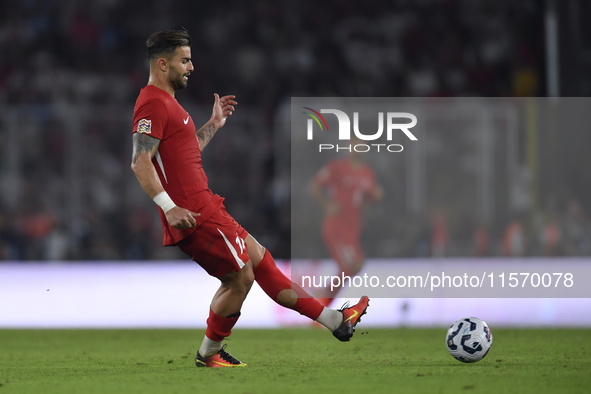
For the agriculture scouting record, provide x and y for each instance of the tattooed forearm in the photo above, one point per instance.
(143, 143)
(205, 134)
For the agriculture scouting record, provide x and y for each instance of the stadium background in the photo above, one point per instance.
(71, 71)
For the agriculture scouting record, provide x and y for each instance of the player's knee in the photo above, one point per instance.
(239, 283)
(247, 276)
(287, 298)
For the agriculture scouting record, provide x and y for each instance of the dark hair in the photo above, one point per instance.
(164, 42)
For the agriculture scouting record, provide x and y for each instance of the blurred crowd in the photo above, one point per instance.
(564, 232)
(265, 51)
(59, 52)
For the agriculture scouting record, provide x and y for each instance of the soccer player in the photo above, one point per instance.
(341, 187)
(167, 163)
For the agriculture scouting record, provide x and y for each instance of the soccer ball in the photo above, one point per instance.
(469, 339)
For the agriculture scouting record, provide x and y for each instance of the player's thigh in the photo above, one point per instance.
(218, 245)
(255, 250)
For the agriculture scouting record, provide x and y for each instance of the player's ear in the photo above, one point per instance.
(163, 64)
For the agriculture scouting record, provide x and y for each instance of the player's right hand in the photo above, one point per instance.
(332, 208)
(181, 218)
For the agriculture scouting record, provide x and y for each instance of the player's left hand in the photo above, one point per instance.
(222, 108)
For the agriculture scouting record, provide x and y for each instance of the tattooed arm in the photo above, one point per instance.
(205, 134)
(144, 149)
(222, 108)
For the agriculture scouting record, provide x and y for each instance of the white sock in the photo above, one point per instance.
(330, 318)
(209, 348)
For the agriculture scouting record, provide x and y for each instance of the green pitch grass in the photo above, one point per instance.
(305, 361)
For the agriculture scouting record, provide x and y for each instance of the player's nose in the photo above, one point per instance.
(190, 66)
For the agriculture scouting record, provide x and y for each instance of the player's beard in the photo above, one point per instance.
(177, 81)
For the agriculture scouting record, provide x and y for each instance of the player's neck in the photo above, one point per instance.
(160, 84)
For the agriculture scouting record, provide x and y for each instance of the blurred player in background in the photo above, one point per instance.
(342, 187)
(167, 162)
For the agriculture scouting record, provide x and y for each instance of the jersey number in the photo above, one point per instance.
(241, 244)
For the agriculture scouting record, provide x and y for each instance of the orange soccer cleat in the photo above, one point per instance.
(220, 359)
(351, 316)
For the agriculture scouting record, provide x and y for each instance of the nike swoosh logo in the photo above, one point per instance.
(354, 315)
(230, 365)
(186, 120)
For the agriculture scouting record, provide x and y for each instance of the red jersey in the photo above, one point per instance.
(347, 186)
(178, 159)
